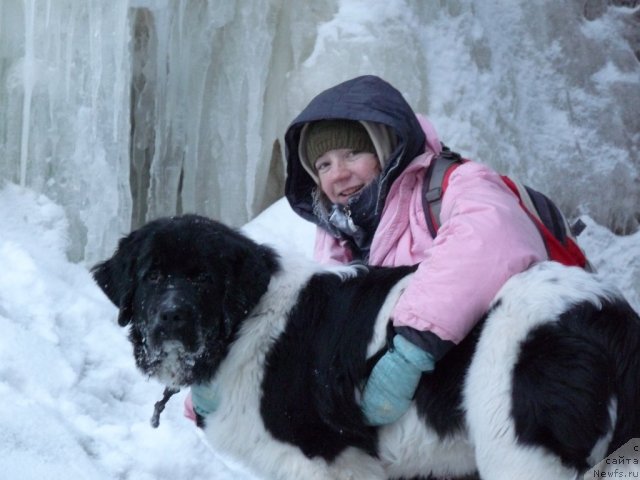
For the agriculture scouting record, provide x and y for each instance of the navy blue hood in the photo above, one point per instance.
(366, 98)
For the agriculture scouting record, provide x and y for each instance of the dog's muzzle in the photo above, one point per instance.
(174, 342)
(174, 320)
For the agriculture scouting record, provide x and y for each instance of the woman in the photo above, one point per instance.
(356, 160)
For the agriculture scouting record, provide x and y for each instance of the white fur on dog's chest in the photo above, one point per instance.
(237, 428)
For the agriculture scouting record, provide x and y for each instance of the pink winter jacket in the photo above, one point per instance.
(485, 237)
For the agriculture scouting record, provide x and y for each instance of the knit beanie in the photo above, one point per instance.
(326, 135)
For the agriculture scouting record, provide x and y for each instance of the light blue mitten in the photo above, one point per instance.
(393, 381)
(205, 398)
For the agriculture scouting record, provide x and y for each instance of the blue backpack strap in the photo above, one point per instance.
(433, 186)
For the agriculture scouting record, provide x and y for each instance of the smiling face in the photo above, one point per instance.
(344, 172)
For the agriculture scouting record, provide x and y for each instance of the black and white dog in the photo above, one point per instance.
(544, 387)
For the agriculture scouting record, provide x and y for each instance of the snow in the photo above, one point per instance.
(73, 404)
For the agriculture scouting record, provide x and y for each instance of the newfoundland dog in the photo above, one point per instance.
(544, 387)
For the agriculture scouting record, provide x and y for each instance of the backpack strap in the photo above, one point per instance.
(540, 206)
(557, 234)
(435, 182)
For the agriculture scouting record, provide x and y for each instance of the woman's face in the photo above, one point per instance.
(344, 172)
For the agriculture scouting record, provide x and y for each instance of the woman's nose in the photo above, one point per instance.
(339, 171)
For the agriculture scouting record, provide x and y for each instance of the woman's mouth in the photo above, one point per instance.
(349, 192)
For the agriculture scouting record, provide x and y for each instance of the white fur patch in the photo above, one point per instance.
(410, 449)
(379, 337)
(600, 449)
(175, 362)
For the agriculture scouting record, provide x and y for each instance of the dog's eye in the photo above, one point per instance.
(154, 276)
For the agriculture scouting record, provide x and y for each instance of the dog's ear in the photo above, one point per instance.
(247, 281)
(115, 276)
(126, 309)
(105, 275)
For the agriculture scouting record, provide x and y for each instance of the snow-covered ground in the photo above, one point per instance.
(73, 406)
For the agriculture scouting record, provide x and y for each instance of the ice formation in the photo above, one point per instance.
(126, 110)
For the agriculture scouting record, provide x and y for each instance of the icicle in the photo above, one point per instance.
(28, 79)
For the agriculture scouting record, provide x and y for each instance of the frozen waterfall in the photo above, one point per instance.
(126, 110)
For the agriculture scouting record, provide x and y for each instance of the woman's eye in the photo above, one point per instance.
(352, 155)
(322, 166)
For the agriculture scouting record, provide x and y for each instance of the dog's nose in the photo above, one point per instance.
(176, 325)
(174, 316)
(173, 319)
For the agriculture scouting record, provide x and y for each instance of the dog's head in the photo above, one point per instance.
(184, 284)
